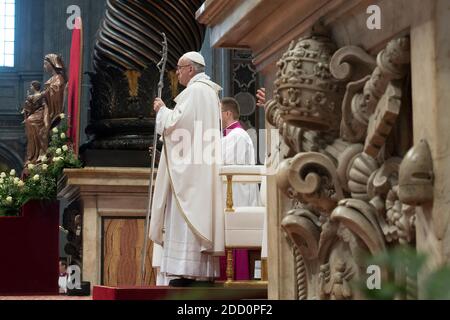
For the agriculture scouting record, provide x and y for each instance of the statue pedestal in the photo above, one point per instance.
(29, 252)
(114, 206)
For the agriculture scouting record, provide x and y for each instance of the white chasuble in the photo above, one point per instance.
(187, 212)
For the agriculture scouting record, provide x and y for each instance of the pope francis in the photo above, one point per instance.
(187, 223)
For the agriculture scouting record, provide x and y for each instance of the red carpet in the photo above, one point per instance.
(43, 298)
(168, 293)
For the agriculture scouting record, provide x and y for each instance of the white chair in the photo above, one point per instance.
(245, 227)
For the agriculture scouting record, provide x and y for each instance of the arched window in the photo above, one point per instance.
(7, 32)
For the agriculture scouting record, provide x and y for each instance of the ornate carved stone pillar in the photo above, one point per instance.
(346, 183)
(343, 193)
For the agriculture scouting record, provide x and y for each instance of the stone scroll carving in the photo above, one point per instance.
(338, 110)
(363, 95)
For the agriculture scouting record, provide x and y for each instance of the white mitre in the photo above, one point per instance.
(195, 57)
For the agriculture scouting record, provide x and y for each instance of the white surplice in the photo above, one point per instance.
(238, 149)
(187, 212)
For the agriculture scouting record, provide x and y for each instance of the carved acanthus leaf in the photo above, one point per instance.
(327, 239)
(302, 228)
(360, 217)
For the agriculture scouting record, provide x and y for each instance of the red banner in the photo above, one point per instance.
(75, 80)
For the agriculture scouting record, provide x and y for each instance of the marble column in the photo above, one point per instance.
(430, 64)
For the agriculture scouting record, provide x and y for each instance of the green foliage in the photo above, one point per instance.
(437, 286)
(40, 180)
(406, 260)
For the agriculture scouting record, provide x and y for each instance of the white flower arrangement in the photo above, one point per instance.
(40, 180)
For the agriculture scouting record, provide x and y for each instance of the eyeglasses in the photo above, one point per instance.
(179, 67)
